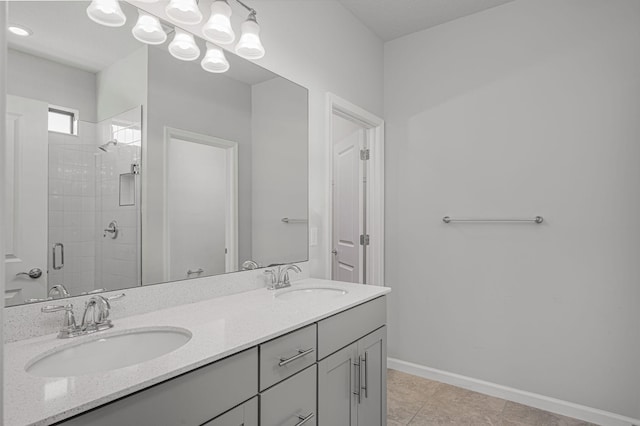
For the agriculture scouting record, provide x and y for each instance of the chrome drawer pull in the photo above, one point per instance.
(358, 381)
(366, 376)
(301, 353)
(303, 420)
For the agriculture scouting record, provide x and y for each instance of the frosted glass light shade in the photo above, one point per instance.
(106, 12)
(250, 46)
(148, 29)
(214, 60)
(183, 46)
(218, 27)
(184, 12)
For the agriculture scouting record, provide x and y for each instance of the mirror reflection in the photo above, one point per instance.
(127, 166)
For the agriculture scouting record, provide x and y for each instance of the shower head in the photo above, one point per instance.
(104, 146)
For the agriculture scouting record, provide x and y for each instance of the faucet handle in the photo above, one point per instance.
(56, 308)
(115, 297)
(69, 327)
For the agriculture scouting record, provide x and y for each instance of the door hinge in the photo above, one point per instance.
(365, 154)
(364, 240)
(135, 168)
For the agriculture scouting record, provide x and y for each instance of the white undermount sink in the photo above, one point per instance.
(108, 352)
(307, 293)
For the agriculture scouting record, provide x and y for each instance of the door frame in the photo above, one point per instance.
(374, 131)
(231, 220)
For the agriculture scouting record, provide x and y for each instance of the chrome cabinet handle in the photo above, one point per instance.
(55, 264)
(366, 376)
(34, 274)
(357, 371)
(197, 271)
(304, 419)
(300, 354)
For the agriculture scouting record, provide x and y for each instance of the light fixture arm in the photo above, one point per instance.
(252, 11)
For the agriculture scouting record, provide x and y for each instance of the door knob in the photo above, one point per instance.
(35, 273)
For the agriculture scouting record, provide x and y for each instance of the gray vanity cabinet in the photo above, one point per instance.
(352, 383)
(291, 402)
(244, 415)
(337, 405)
(328, 373)
(191, 399)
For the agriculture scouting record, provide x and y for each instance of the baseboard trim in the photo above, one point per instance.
(542, 402)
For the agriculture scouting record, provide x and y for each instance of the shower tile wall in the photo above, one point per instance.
(118, 263)
(72, 207)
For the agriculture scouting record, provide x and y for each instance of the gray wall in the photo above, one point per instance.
(279, 184)
(183, 96)
(530, 108)
(38, 78)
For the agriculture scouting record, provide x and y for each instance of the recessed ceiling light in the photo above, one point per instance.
(20, 31)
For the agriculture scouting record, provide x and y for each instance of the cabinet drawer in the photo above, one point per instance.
(291, 401)
(344, 328)
(283, 357)
(190, 399)
(244, 415)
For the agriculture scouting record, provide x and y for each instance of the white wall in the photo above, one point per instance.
(183, 96)
(38, 78)
(279, 141)
(122, 86)
(526, 109)
(323, 47)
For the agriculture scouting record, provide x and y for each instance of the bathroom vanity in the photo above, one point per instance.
(312, 354)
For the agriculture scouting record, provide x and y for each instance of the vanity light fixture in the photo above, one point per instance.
(148, 29)
(214, 60)
(184, 12)
(250, 46)
(218, 28)
(106, 12)
(19, 30)
(183, 46)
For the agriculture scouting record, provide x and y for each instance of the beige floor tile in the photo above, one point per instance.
(420, 402)
(534, 417)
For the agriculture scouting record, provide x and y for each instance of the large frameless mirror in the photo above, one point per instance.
(126, 166)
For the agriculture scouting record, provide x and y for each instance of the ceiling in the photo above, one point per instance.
(390, 19)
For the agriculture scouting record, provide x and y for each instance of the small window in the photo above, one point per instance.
(63, 120)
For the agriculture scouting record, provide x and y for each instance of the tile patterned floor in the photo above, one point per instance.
(416, 401)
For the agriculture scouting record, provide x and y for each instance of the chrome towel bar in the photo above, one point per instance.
(537, 219)
(287, 220)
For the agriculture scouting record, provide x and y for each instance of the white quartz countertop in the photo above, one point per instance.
(220, 327)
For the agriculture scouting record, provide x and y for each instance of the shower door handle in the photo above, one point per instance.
(55, 263)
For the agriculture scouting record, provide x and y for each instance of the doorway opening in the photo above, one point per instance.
(200, 171)
(356, 196)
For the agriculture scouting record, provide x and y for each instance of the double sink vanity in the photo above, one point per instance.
(313, 353)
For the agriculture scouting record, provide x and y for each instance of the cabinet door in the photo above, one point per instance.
(372, 353)
(244, 415)
(291, 402)
(337, 382)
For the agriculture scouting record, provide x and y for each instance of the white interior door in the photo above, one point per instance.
(347, 209)
(198, 187)
(26, 198)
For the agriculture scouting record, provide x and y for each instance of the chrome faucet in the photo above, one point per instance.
(99, 307)
(94, 318)
(249, 264)
(58, 291)
(280, 276)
